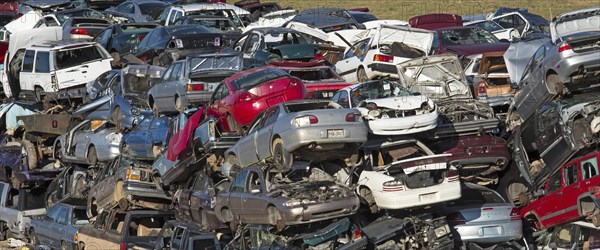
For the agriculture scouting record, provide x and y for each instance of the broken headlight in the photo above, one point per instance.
(295, 202)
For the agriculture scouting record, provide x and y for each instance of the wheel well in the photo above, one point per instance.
(275, 137)
(223, 209)
(88, 149)
(532, 218)
(550, 72)
(586, 204)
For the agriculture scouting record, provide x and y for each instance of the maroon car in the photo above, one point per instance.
(435, 21)
(321, 81)
(478, 159)
(465, 41)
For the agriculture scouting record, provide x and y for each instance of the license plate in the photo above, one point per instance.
(327, 94)
(491, 230)
(427, 197)
(334, 133)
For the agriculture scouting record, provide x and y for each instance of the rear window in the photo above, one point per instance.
(189, 30)
(32, 199)
(255, 78)
(297, 107)
(152, 9)
(313, 75)
(28, 61)
(80, 217)
(67, 58)
(479, 196)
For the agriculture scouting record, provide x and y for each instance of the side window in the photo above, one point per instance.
(28, 61)
(63, 215)
(165, 15)
(253, 183)
(218, 95)
(52, 215)
(336, 96)
(175, 74)
(343, 99)
(570, 175)
(253, 44)
(174, 16)
(224, 91)
(239, 45)
(535, 60)
(271, 116)
(67, 58)
(118, 223)
(105, 36)
(506, 22)
(589, 168)
(177, 237)
(554, 183)
(167, 74)
(42, 62)
(256, 125)
(363, 47)
(519, 23)
(239, 182)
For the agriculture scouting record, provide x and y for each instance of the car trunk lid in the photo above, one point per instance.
(583, 21)
(416, 38)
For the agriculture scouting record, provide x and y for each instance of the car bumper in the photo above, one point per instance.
(383, 70)
(570, 65)
(405, 125)
(296, 138)
(414, 197)
(467, 128)
(321, 211)
(196, 97)
(497, 100)
(489, 233)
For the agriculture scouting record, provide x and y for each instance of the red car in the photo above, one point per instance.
(571, 193)
(242, 96)
(435, 21)
(321, 81)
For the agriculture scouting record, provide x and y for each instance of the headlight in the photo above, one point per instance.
(292, 203)
(374, 113)
(133, 174)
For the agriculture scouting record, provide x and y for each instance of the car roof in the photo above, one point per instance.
(211, 6)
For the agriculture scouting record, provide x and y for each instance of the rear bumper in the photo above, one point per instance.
(296, 138)
(493, 233)
(196, 97)
(467, 128)
(404, 125)
(383, 69)
(569, 66)
(412, 197)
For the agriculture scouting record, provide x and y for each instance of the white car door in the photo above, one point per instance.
(353, 57)
(26, 76)
(513, 20)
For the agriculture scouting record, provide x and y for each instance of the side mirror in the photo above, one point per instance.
(255, 191)
(514, 85)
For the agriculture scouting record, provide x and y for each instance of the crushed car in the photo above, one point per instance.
(89, 142)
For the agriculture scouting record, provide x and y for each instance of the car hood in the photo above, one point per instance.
(467, 50)
(297, 51)
(443, 77)
(304, 28)
(399, 102)
(417, 38)
(518, 55)
(579, 21)
(215, 62)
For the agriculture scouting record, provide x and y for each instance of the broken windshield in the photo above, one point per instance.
(377, 90)
(468, 37)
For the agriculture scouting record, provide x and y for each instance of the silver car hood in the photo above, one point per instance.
(518, 55)
(577, 21)
(437, 77)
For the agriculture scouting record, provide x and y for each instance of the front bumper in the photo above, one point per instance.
(321, 211)
(404, 125)
(489, 233)
(296, 138)
(408, 198)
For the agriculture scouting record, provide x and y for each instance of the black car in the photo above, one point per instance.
(102, 4)
(139, 10)
(362, 17)
(118, 39)
(328, 19)
(164, 45)
(230, 30)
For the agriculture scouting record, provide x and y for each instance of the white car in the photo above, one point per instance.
(495, 28)
(174, 12)
(376, 55)
(273, 19)
(389, 108)
(405, 174)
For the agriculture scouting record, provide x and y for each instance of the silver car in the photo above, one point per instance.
(89, 142)
(482, 217)
(299, 128)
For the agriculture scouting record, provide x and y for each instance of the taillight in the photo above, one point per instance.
(357, 234)
(79, 32)
(456, 218)
(305, 120)
(179, 43)
(311, 95)
(482, 89)
(123, 246)
(351, 117)
(563, 47)
(383, 58)
(514, 214)
(318, 56)
(393, 186)
(217, 41)
(245, 97)
(140, 38)
(76, 237)
(195, 87)
(452, 175)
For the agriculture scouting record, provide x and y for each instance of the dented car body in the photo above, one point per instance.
(263, 197)
(440, 78)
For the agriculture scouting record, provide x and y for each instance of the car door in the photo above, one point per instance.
(250, 49)
(570, 192)
(59, 228)
(263, 137)
(236, 191)
(218, 107)
(106, 187)
(74, 65)
(512, 20)
(549, 210)
(551, 144)
(197, 199)
(254, 200)
(158, 132)
(137, 139)
(44, 230)
(246, 152)
(26, 75)
(348, 66)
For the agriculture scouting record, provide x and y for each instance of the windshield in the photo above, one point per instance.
(323, 74)
(62, 17)
(488, 25)
(80, 217)
(32, 199)
(256, 78)
(187, 30)
(377, 90)
(467, 37)
(276, 39)
(152, 9)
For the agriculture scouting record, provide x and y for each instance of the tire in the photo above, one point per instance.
(33, 238)
(116, 118)
(39, 94)
(179, 105)
(554, 85)
(116, 63)
(92, 156)
(282, 158)
(361, 75)
(93, 209)
(367, 195)
(3, 231)
(233, 126)
(30, 158)
(14, 182)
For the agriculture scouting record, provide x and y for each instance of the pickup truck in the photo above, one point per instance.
(17, 206)
(119, 230)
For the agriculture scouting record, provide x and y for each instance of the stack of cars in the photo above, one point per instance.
(155, 125)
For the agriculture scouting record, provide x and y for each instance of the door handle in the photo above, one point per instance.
(84, 72)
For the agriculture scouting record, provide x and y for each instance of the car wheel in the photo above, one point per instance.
(233, 126)
(116, 63)
(274, 218)
(155, 110)
(92, 156)
(3, 231)
(179, 105)
(80, 187)
(28, 149)
(93, 209)
(116, 118)
(282, 158)
(367, 195)
(33, 238)
(582, 133)
(554, 85)
(39, 94)
(361, 75)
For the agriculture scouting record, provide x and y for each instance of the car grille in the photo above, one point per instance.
(422, 179)
(390, 113)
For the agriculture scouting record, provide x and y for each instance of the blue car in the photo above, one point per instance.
(58, 228)
(146, 139)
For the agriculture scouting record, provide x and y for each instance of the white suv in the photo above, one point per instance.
(57, 70)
